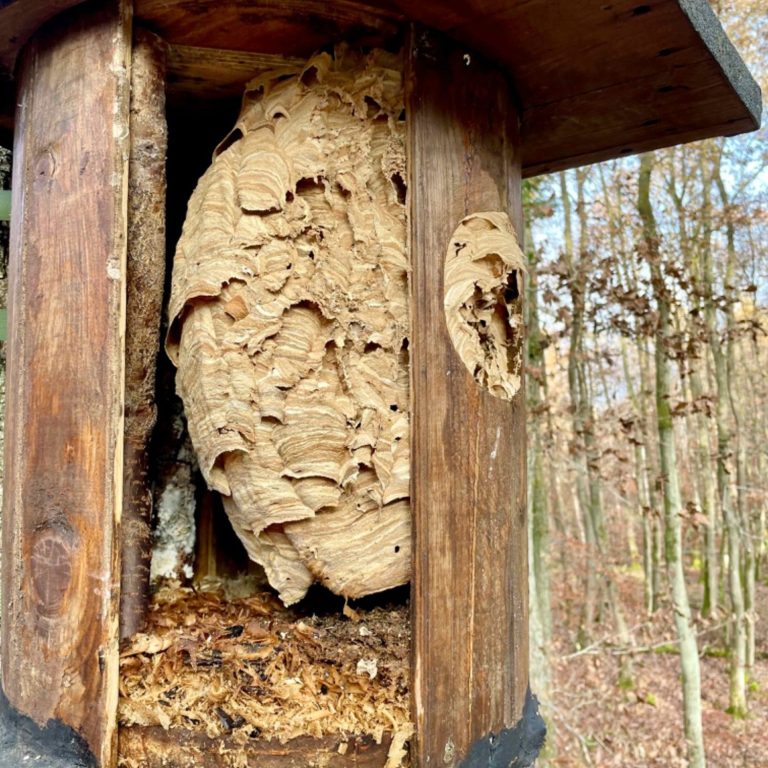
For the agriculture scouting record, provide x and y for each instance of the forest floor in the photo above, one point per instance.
(599, 722)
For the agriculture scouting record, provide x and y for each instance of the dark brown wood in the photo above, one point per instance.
(145, 277)
(663, 72)
(63, 457)
(19, 19)
(284, 28)
(594, 80)
(598, 80)
(470, 585)
(645, 113)
(201, 74)
(153, 747)
(219, 554)
(573, 64)
(7, 102)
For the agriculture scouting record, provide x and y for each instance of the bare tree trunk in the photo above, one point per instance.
(640, 431)
(689, 655)
(540, 608)
(576, 389)
(540, 612)
(653, 470)
(719, 344)
(643, 501)
(538, 500)
(755, 386)
(743, 513)
(689, 238)
(584, 415)
(708, 498)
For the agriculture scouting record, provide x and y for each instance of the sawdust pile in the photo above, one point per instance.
(250, 669)
(482, 303)
(290, 325)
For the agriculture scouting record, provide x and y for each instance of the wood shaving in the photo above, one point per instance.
(250, 669)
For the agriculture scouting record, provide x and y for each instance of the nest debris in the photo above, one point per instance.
(250, 669)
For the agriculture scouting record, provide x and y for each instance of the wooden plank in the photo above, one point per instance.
(145, 277)
(280, 27)
(581, 71)
(219, 554)
(469, 587)
(588, 75)
(583, 61)
(19, 19)
(645, 113)
(202, 74)
(154, 747)
(63, 452)
(636, 40)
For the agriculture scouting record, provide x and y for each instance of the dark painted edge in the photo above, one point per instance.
(516, 747)
(24, 742)
(704, 20)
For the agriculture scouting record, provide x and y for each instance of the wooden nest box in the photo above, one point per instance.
(345, 311)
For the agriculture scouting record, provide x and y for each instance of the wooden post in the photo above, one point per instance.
(64, 444)
(145, 283)
(468, 465)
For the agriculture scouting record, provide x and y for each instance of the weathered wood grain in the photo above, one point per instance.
(282, 27)
(219, 554)
(581, 61)
(145, 276)
(643, 113)
(201, 73)
(64, 454)
(19, 19)
(469, 589)
(587, 75)
(153, 747)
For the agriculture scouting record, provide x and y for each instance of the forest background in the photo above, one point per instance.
(647, 302)
(648, 451)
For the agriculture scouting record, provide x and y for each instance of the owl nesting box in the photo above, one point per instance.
(345, 313)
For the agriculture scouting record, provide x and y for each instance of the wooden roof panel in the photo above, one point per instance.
(288, 27)
(598, 80)
(628, 118)
(594, 79)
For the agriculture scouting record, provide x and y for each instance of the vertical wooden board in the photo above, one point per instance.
(468, 447)
(145, 277)
(63, 454)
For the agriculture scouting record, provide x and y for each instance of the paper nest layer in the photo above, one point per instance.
(289, 325)
(248, 669)
(482, 305)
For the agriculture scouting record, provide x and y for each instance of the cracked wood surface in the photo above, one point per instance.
(289, 325)
(65, 377)
(469, 588)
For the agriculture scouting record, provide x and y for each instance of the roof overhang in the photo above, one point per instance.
(594, 79)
